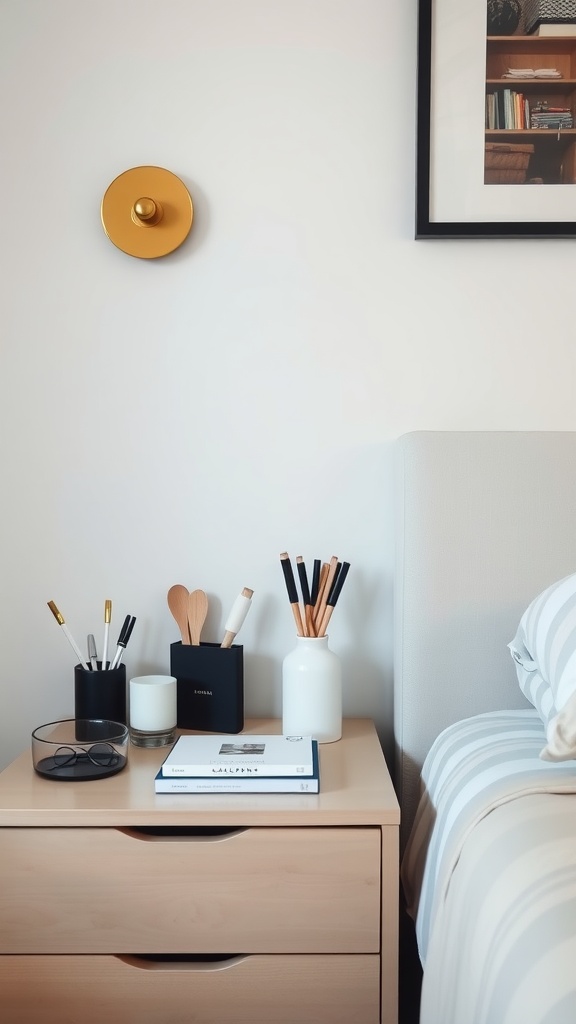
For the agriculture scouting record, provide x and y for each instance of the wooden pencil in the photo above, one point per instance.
(325, 569)
(321, 610)
(335, 592)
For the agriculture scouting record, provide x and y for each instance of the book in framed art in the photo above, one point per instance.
(496, 139)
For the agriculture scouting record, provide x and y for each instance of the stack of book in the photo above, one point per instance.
(244, 764)
(544, 116)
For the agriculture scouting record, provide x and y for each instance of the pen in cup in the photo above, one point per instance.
(92, 655)
(60, 620)
(123, 640)
(107, 618)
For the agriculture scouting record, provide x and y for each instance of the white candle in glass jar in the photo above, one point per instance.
(153, 703)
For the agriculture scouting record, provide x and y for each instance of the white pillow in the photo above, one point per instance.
(544, 650)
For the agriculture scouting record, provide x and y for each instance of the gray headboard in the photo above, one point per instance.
(485, 521)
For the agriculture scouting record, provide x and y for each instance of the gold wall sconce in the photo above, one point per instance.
(147, 212)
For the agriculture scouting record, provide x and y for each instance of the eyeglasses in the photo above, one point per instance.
(103, 755)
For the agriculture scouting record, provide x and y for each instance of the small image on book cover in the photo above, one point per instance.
(242, 748)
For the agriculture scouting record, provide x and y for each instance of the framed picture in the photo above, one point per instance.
(496, 125)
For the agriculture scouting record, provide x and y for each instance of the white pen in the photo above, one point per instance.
(60, 620)
(238, 613)
(107, 618)
(92, 655)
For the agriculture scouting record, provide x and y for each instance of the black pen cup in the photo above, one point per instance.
(100, 694)
(210, 686)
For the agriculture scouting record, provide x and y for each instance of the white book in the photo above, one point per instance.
(560, 28)
(255, 784)
(244, 756)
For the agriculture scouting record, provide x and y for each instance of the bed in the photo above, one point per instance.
(486, 525)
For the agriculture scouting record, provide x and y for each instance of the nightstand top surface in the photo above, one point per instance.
(355, 789)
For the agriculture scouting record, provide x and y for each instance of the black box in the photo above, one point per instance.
(210, 686)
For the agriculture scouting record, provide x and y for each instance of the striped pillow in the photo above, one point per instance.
(544, 650)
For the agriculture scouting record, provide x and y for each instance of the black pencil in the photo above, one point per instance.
(306, 599)
(292, 592)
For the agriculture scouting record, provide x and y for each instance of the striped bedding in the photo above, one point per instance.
(489, 875)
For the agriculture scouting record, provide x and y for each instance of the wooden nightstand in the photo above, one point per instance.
(117, 904)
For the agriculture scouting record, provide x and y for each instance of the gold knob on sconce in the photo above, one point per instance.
(146, 212)
(128, 207)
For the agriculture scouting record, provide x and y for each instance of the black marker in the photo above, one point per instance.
(123, 640)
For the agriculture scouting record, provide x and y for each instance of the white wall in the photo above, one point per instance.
(187, 419)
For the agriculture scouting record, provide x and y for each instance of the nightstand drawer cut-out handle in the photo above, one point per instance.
(185, 834)
(207, 963)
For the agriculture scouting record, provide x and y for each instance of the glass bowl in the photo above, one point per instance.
(77, 749)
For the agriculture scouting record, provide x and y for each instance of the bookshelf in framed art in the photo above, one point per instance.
(496, 133)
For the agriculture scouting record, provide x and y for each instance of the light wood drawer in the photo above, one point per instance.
(255, 989)
(259, 890)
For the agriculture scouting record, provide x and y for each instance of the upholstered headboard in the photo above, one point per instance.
(485, 521)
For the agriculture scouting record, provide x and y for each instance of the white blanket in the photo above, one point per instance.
(490, 876)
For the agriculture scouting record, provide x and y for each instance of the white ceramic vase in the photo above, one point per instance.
(312, 691)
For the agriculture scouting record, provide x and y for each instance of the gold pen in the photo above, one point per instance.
(107, 619)
(60, 620)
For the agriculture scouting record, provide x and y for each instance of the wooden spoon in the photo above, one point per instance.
(197, 611)
(178, 605)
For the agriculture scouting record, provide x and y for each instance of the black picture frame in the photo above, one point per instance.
(428, 224)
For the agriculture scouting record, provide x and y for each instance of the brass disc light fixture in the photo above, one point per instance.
(147, 212)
